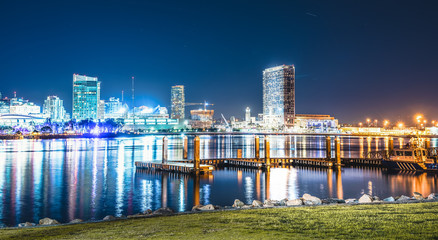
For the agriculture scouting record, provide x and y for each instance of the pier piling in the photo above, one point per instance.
(338, 151)
(267, 152)
(197, 153)
(257, 147)
(165, 143)
(328, 147)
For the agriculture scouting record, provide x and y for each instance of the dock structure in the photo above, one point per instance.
(201, 166)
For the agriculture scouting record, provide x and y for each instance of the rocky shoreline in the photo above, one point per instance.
(306, 200)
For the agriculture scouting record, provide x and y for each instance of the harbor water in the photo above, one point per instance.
(89, 178)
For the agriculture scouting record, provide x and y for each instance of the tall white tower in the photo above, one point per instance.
(248, 115)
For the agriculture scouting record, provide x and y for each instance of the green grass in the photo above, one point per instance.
(394, 221)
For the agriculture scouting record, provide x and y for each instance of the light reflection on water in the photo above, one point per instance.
(92, 178)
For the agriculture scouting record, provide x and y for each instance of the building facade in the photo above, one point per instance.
(86, 97)
(178, 102)
(23, 107)
(115, 109)
(279, 96)
(53, 108)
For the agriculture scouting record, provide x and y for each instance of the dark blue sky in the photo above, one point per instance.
(353, 59)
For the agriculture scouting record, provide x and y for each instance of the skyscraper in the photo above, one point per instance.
(248, 115)
(178, 102)
(86, 96)
(279, 96)
(53, 108)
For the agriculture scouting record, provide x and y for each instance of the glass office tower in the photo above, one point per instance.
(279, 96)
(178, 102)
(86, 96)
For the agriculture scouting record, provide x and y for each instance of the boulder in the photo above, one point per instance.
(350, 200)
(332, 200)
(135, 215)
(163, 211)
(109, 218)
(197, 207)
(268, 203)
(121, 217)
(208, 207)
(26, 224)
(294, 202)
(311, 200)
(431, 196)
(238, 204)
(389, 199)
(418, 196)
(247, 206)
(147, 212)
(376, 198)
(365, 199)
(257, 203)
(403, 198)
(77, 220)
(48, 221)
(283, 202)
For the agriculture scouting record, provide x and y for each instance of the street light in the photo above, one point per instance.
(368, 121)
(360, 124)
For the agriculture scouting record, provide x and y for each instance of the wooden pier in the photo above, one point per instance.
(198, 165)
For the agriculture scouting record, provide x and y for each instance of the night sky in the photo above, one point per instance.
(353, 59)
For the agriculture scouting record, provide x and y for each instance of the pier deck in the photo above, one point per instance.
(174, 166)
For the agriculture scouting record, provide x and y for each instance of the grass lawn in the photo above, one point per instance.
(401, 221)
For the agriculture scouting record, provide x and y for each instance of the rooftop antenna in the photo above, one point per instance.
(133, 97)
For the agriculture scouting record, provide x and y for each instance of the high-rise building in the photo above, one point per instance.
(53, 108)
(247, 114)
(279, 96)
(178, 102)
(86, 97)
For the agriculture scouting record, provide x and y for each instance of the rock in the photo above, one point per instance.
(332, 200)
(389, 199)
(208, 207)
(163, 211)
(365, 199)
(283, 202)
(246, 206)
(311, 200)
(26, 224)
(109, 218)
(268, 203)
(431, 196)
(77, 220)
(350, 200)
(294, 202)
(376, 198)
(121, 217)
(418, 196)
(48, 221)
(238, 204)
(135, 215)
(197, 208)
(257, 203)
(403, 198)
(147, 212)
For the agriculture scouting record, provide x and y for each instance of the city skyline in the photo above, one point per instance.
(352, 73)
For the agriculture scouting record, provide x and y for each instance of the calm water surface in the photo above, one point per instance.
(91, 178)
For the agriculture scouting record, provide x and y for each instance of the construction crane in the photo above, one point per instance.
(226, 122)
(205, 104)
